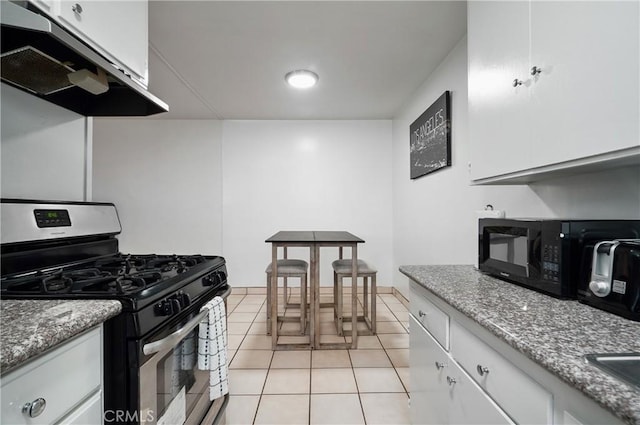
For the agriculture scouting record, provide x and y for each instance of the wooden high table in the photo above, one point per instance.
(315, 240)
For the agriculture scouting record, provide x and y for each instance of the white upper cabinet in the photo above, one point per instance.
(586, 95)
(118, 30)
(581, 109)
(498, 48)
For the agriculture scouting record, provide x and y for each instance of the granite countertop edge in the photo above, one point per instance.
(619, 398)
(33, 327)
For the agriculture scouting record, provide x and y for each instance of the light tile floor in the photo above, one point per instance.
(364, 386)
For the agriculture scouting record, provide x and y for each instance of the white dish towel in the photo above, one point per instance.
(212, 347)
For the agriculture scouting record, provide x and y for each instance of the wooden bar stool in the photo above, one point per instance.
(289, 268)
(342, 269)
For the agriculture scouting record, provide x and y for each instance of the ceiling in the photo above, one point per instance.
(227, 59)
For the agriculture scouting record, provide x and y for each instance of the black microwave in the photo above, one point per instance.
(547, 255)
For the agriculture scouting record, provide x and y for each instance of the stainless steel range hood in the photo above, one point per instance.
(38, 55)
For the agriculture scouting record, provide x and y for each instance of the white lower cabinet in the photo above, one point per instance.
(507, 384)
(62, 386)
(87, 413)
(463, 374)
(443, 393)
(430, 317)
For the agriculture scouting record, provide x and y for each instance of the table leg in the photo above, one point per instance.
(274, 296)
(315, 290)
(354, 296)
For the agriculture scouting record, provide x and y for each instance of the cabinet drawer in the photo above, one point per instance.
(504, 382)
(468, 403)
(427, 361)
(431, 317)
(63, 378)
(89, 412)
(441, 392)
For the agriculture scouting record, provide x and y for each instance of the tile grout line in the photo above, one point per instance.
(269, 368)
(264, 385)
(353, 372)
(385, 349)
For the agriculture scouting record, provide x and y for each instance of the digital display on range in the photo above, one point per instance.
(52, 218)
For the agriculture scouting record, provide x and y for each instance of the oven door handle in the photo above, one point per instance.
(172, 340)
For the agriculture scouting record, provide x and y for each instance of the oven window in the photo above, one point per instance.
(508, 248)
(178, 378)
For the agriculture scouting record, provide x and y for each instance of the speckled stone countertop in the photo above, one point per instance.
(31, 327)
(555, 334)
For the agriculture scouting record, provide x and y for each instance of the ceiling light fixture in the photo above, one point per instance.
(301, 78)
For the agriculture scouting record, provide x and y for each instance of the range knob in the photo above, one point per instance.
(167, 307)
(183, 299)
(213, 279)
(599, 288)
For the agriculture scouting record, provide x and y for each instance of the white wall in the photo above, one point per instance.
(165, 179)
(434, 220)
(44, 148)
(305, 175)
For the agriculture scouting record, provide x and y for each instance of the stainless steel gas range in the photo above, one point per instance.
(69, 250)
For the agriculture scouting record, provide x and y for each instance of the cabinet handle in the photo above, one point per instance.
(535, 71)
(35, 408)
(451, 380)
(517, 82)
(421, 313)
(77, 8)
(482, 370)
(440, 365)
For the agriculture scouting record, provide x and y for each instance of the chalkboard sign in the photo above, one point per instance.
(430, 142)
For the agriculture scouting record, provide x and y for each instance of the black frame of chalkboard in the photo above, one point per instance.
(430, 138)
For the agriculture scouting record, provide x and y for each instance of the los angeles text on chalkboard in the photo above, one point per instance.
(430, 142)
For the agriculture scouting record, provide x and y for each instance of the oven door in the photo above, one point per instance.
(172, 388)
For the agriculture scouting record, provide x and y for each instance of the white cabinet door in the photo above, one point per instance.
(118, 29)
(586, 98)
(582, 108)
(498, 49)
(428, 390)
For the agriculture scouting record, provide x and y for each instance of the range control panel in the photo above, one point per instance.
(52, 218)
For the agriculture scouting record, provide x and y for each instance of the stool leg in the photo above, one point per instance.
(268, 303)
(365, 301)
(354, 313)
(340, 311)
(303, 304)
(274, 306)
(335, 297)
(374, 301)
(285, 294)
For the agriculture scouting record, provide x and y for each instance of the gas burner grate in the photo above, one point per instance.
(114, 275)
(56, 283)
(168, 263)
(121, 264)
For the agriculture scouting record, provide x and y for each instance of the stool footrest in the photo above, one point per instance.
(287, 268)
(342, 268)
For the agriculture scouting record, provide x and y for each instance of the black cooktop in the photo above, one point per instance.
(139, 279)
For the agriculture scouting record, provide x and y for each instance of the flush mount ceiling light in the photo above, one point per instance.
(301, 78)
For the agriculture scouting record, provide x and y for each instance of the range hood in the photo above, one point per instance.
(38, 56)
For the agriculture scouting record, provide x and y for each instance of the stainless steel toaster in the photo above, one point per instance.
(614, 283)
